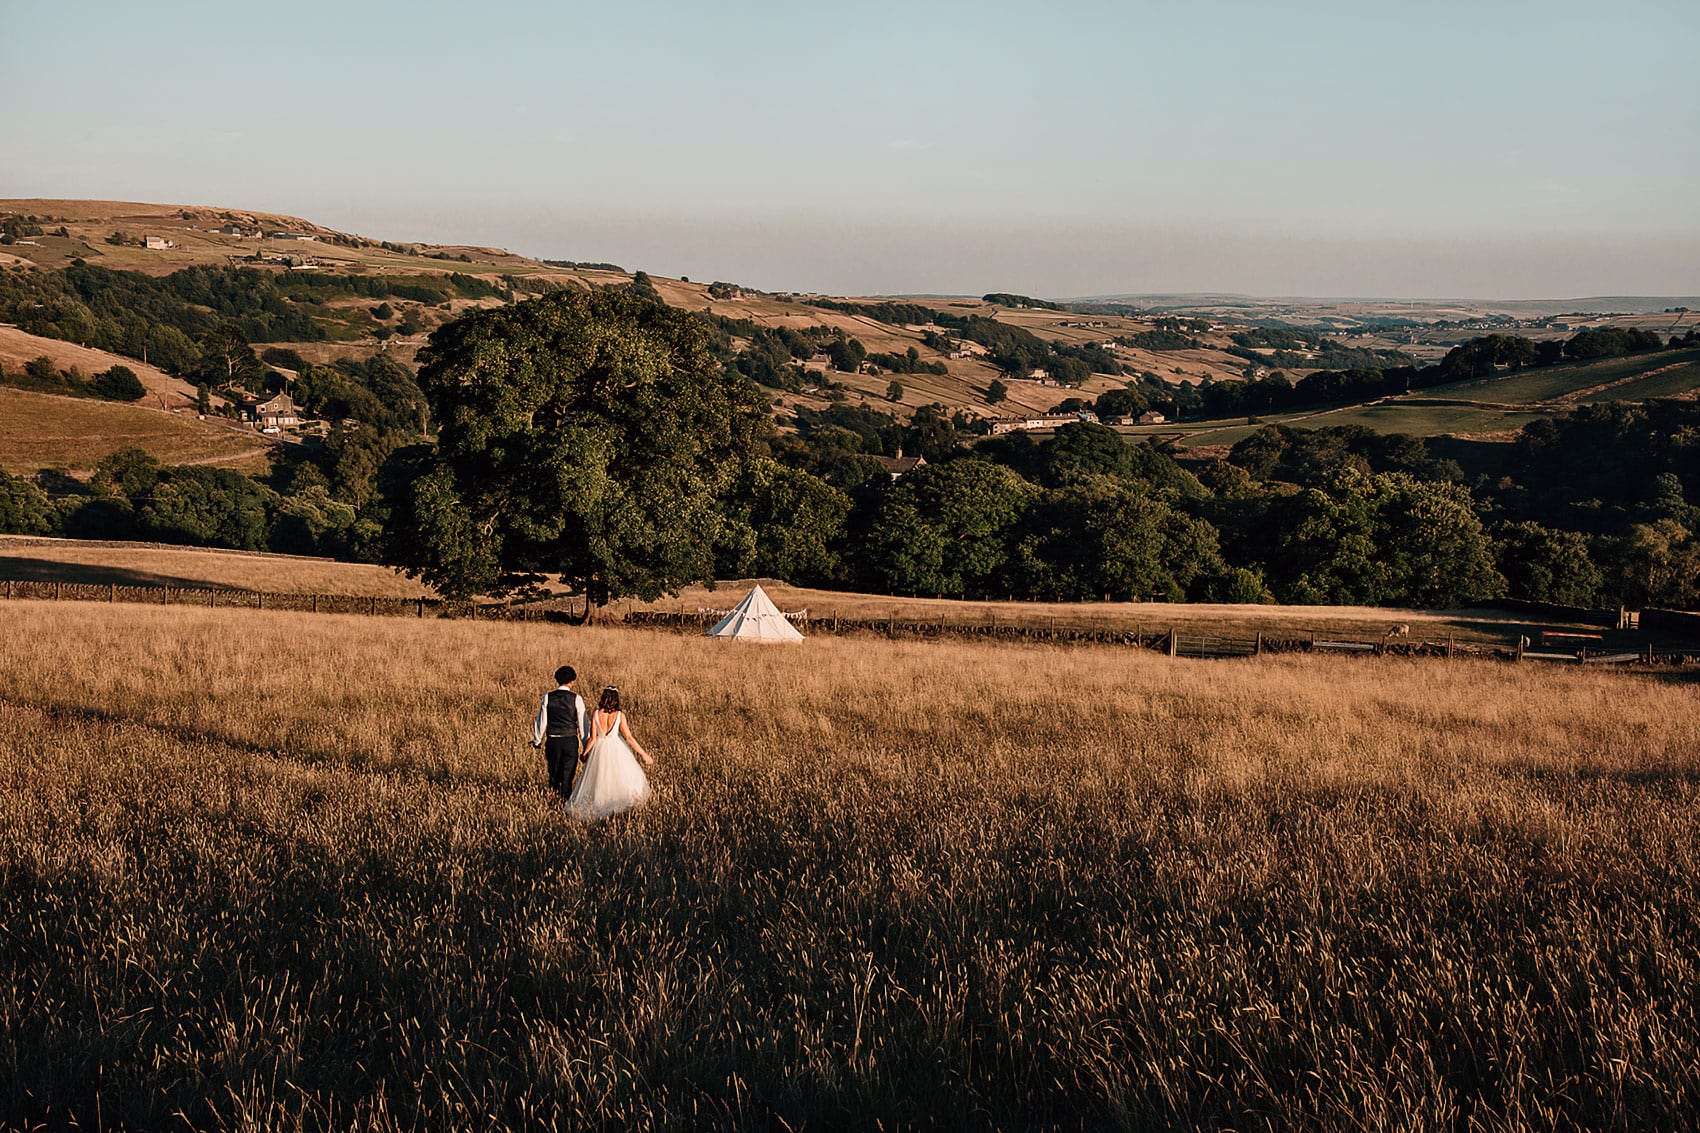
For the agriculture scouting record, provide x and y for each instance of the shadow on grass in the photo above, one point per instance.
(20, 568)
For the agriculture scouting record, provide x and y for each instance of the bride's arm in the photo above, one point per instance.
(626, 731)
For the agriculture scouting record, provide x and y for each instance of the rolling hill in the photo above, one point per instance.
(290, 246)
(363, 297)
(71, 434)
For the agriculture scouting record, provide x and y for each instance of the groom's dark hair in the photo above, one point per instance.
(566, 675)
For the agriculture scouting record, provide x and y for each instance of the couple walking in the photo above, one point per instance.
(612, 781)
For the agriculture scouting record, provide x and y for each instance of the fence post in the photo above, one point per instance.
(262, 597)
(1449, 644)
(112, 592)
(421, 607)
(1520, 646)
(315, 603)
(56, 592)
(8, 588)
(1174, 643)
(1257, 647)
(372, 604)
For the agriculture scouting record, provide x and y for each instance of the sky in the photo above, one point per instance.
(1425, 148)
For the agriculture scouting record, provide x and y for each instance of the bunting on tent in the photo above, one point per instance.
(756, 618)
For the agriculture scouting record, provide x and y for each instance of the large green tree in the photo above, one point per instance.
(24, 508)
(1381, 539)
(787, 524)
(583, 435)
(947, 530)
(210, 507)
(1543, 565)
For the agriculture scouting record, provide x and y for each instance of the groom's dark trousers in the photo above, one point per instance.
(561, 752)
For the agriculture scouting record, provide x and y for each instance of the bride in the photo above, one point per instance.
(612, 780)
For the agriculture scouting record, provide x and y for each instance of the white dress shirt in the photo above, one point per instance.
(540, 726)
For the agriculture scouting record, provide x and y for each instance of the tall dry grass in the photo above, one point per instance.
(103, 561)
(291, 871)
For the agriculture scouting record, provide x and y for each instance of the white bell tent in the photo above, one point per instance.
(756, 618)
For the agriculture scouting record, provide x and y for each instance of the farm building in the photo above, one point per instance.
(278, 413)
(157, 243)
(1042, 421)
(1150, 417)
(899, 464)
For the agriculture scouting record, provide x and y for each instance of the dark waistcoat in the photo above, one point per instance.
(562, 718)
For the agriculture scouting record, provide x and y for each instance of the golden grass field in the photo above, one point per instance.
(288, 871)
(150, 564)
(42, 430)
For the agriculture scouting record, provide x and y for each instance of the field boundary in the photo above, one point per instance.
(1175, 641)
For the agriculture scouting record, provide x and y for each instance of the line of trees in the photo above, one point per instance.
(174, 321)
(601, 444)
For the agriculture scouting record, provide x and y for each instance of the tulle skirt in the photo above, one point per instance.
(612, 780)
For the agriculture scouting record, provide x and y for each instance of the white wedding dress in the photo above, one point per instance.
(612, 780)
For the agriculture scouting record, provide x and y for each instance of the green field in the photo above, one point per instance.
(1424, 420)
(1529, 387)
(1685, 378)
(1420, 418)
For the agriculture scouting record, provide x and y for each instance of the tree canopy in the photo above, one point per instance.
(585, 435)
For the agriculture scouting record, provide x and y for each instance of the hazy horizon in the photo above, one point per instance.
(1306, 150)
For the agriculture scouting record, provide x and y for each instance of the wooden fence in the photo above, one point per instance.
(1176, 642)
(228, 599)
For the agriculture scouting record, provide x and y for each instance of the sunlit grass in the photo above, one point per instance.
(283, 870)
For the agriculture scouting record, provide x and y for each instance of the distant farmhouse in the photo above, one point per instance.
(157, 243)
(899, 464)
(275, 415)
(1149, 417)
(238, 230)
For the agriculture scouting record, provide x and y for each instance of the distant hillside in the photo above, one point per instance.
(336, 279)
(300, 293)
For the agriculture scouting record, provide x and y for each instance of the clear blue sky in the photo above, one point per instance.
(1496, 148)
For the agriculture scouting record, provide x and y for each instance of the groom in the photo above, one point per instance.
(561, 729)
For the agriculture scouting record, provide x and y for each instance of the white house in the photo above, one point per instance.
(157, 243)
(1151, 417)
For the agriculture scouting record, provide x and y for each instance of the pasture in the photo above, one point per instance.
(33, 559)
(18, 348)
(268, 870)
(1680, 379)
(1588, 381)
(41, 430)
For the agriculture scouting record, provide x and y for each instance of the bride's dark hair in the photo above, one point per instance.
(610, 701)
